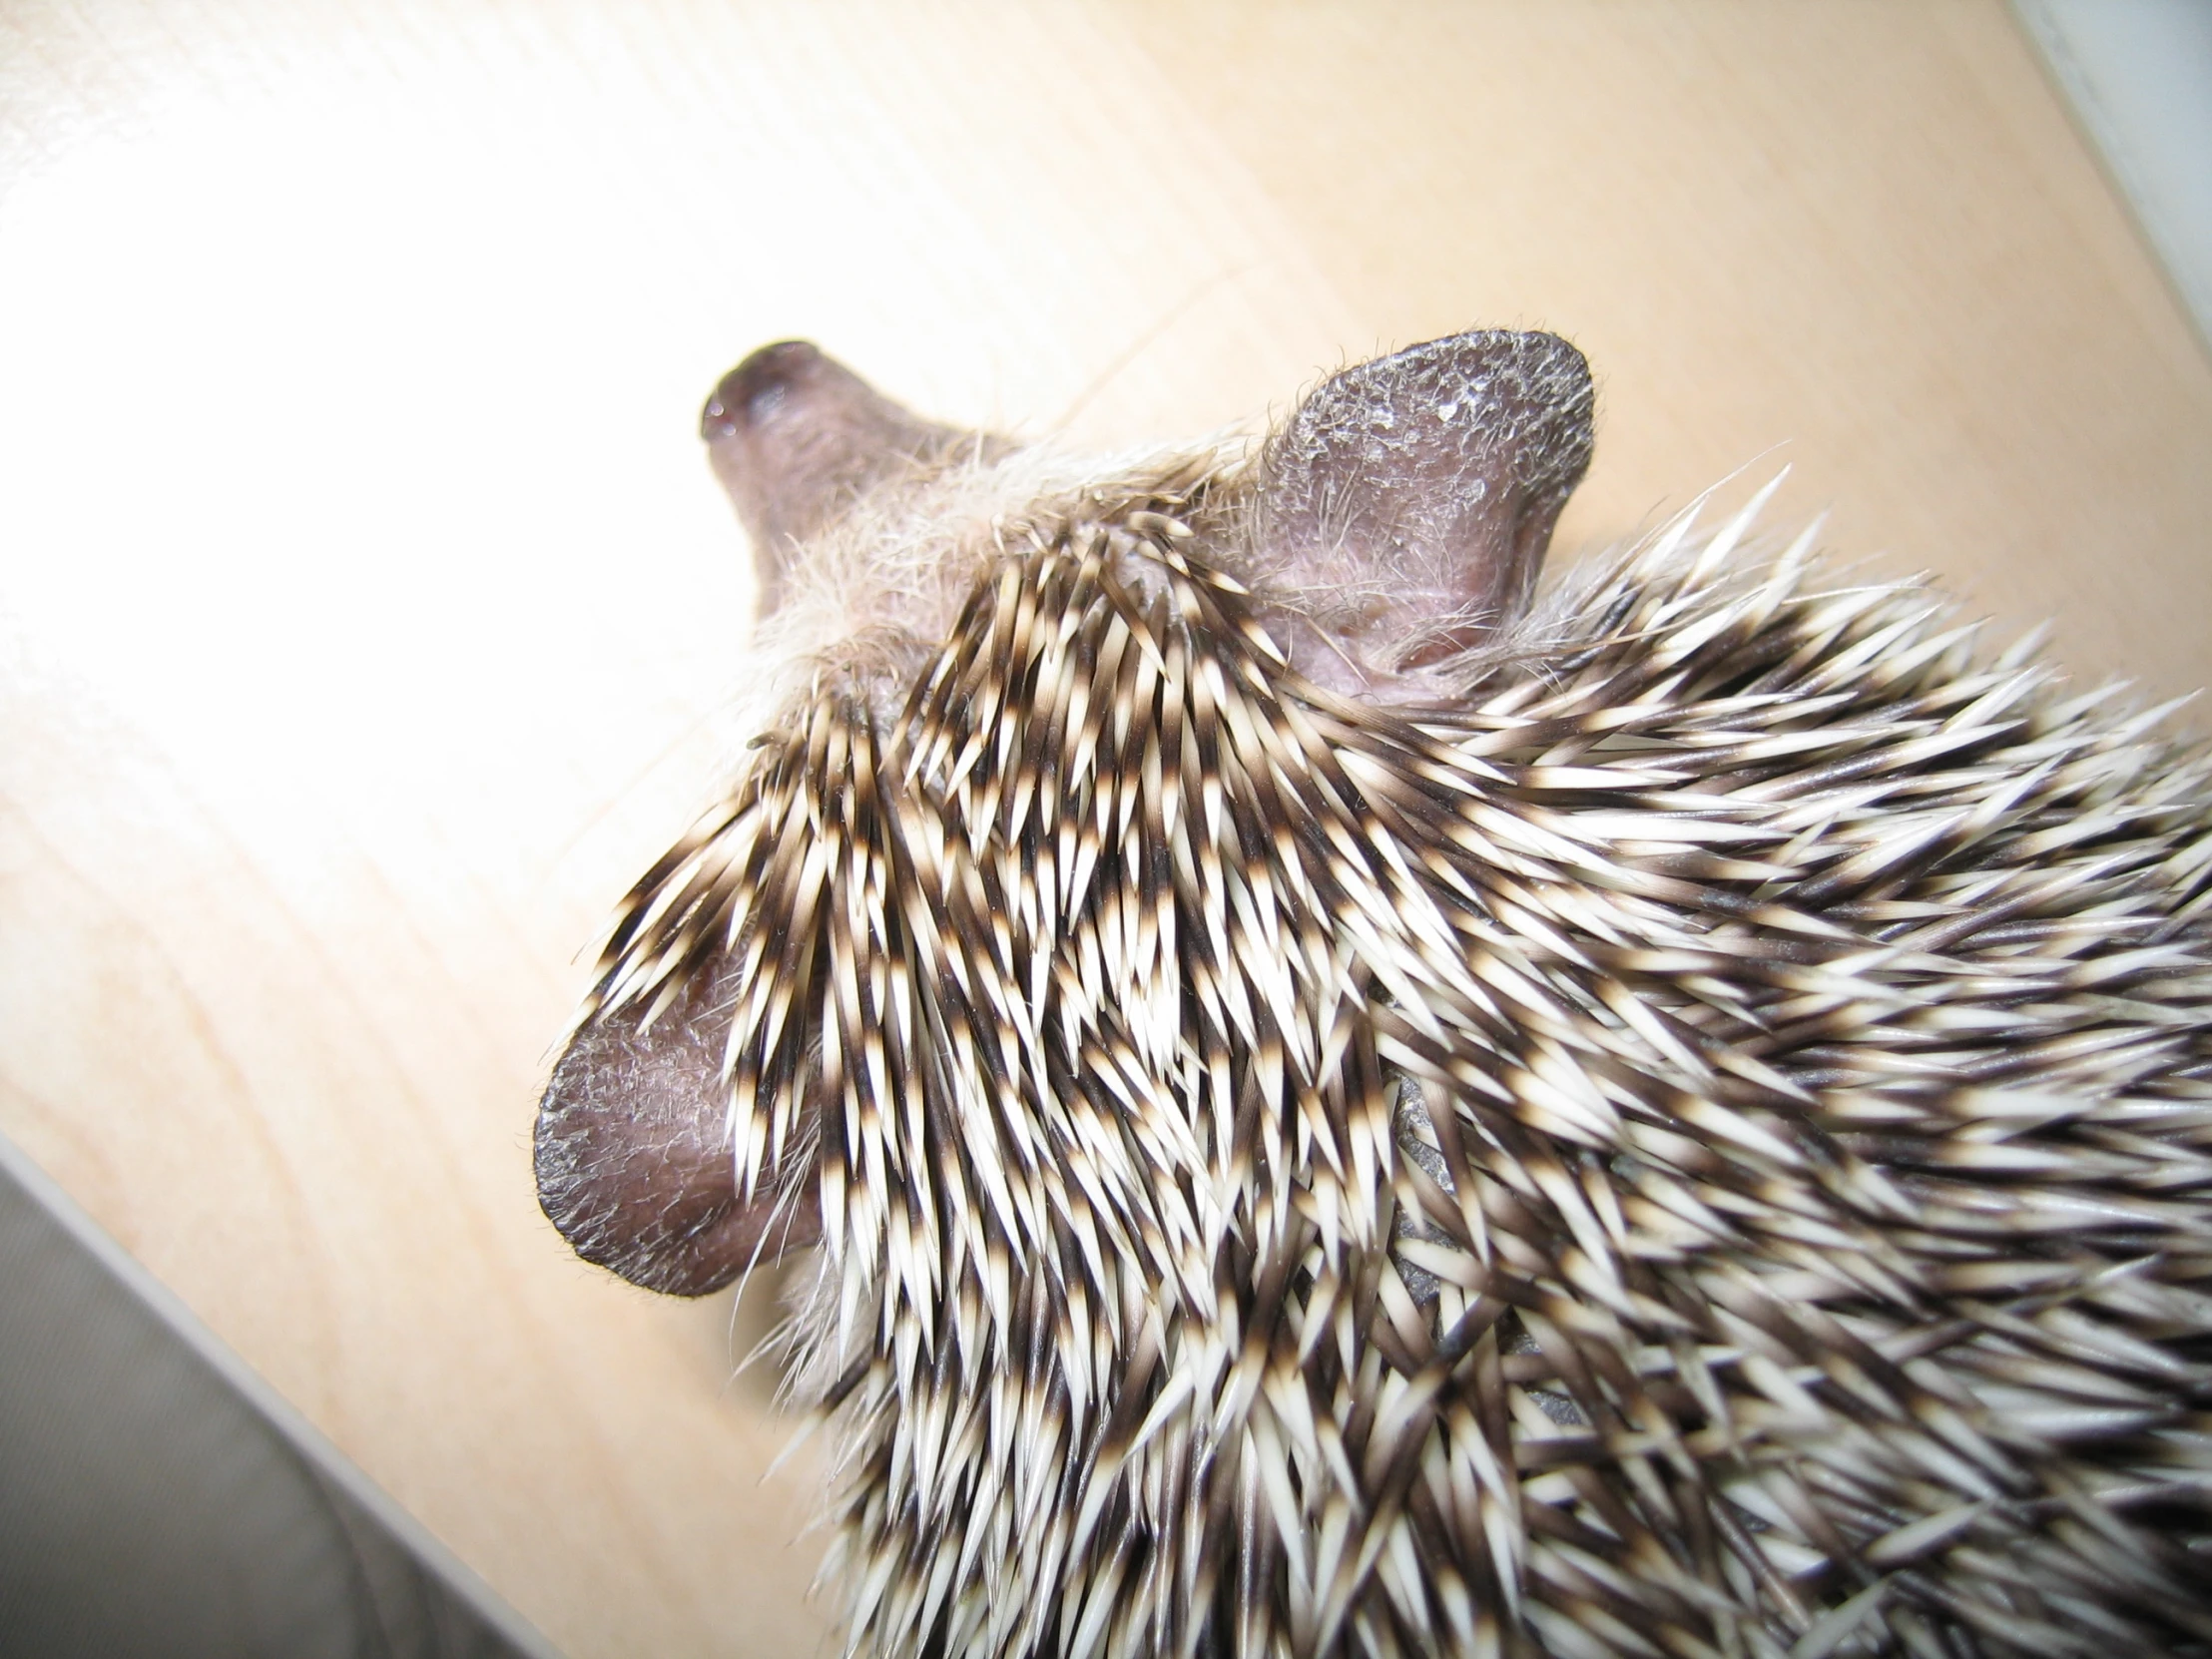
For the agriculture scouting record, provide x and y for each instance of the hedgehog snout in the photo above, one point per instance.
(752, 393)
(796, 438)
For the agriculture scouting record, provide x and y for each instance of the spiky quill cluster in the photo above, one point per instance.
(1702, 1148)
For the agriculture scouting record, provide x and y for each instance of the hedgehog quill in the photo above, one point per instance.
(1346, 1109)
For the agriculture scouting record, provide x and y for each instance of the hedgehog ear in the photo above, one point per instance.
(1405, 507)
(635, 1164)
(796, 438)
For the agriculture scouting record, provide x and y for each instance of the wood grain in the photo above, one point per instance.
(367, 617)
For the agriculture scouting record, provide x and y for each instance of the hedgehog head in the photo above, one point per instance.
(1346, 1114)
(1382, 536)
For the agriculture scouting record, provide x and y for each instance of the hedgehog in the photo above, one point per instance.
(1342, 1107)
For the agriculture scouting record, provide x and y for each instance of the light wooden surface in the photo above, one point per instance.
(367, 615)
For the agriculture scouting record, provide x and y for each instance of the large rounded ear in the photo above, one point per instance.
(1405, 507)
(634, 1161)
(797, 437)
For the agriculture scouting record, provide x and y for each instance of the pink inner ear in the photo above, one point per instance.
(634, 1160)
(1406, 506)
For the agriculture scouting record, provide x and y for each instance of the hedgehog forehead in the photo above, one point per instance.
(871, 601)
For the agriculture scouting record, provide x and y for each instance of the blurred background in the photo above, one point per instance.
(368, 618)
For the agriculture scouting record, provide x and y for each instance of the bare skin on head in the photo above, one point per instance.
(1401, 516)
(796, 438)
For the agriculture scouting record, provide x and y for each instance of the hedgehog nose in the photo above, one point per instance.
(757, 388)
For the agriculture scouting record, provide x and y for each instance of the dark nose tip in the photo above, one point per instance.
(753, 391)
